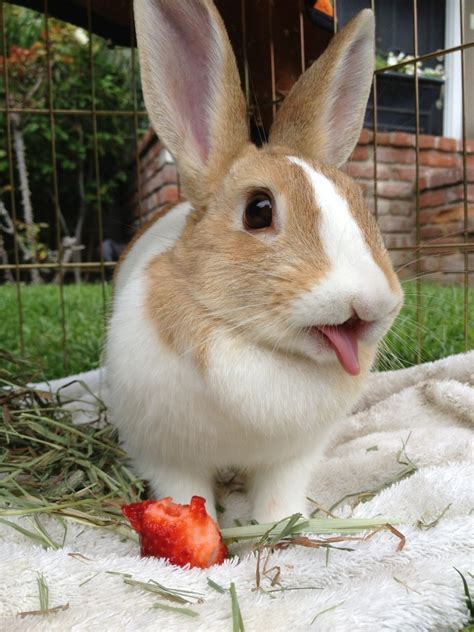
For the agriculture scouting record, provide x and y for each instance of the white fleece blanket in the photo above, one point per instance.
(417, 419)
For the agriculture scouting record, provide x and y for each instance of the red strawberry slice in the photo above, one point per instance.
(183, 534)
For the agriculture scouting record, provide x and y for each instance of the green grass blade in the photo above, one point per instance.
(469, 603)
(186, 611)
(316, 526)
(337, 605)
(237, 622)
(217, 587)
(43, 591)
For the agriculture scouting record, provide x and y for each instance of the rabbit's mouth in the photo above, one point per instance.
(344, 340)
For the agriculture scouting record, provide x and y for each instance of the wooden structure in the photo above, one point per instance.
(274, 40)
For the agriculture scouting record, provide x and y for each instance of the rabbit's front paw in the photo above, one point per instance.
(280, 491)
(181, 485)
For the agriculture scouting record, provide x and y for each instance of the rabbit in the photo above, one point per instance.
(246, 318)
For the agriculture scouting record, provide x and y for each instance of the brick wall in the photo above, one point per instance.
(159, 182)
(441, 201)
(441, 216)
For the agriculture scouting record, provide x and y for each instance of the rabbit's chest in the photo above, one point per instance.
(247, 408)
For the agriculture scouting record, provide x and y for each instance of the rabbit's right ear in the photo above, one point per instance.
(323, 114)
(192, 88)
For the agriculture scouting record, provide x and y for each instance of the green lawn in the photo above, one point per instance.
(442, 329)
(84, 314)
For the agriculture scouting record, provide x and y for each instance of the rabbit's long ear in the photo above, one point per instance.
(192, 88)
(323, 114)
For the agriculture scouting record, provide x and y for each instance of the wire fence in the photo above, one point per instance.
(135, 118)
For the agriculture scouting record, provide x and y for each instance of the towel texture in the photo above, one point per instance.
(406, 452)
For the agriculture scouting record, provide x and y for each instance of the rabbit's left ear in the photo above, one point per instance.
(192, 88)
(323, 114)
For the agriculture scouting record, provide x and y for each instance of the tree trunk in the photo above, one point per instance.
(4, 260)
(31, 240)
(7, 227)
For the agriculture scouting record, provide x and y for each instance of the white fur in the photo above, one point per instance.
(253, 407)
(354, 281)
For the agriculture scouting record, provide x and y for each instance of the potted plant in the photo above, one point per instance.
(396, 95)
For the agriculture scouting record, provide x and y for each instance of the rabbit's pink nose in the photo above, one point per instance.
(344, 339)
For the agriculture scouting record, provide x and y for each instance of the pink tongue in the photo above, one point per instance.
(343, 340)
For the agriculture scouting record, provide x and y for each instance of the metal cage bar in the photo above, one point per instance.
(11, 183)
(57, 211)
(96, 160)
(465, 176)
(375, 132)
(419, 340)
(138, 173)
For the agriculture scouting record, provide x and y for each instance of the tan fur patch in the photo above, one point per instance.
(322, 116)
(220, 276)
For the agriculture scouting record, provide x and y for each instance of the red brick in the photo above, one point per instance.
(404, 173)
(433, 198)
(448, 215)
(393, 240)
(365, 170)
(431, 232)
(148, 158)
(395, 189)
(470, 146)
(167, 175)
(366, 137)
(453, 263)
(384, 171)
(382, 138)
(169, 193)
(393, 155)
(402, 207)
(395, 224)
(426, 141)
(445, 242)
(454, 193)
(402, 139)
(426, 216)
(359, 153)
(383, 205)
(434, 178)
(148, 204)
(448, 144)
(400, 260)
(147, 138)
(148, 172)
(438, 159)
(431, 264)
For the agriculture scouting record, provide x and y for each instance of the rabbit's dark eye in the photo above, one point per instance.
(258, 211)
